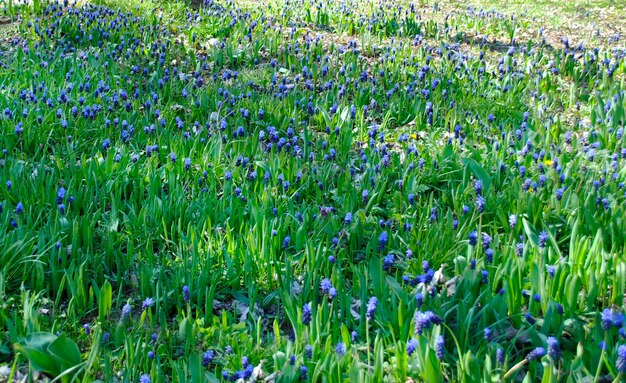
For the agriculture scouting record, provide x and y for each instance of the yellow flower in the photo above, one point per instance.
(414, 136)
(548, 163)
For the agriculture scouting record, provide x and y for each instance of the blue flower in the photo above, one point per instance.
(424, 320)
(382, 240)
(621, 359)
(306, 313)
(388, 261)
(543, 238)
(500, 356)
(537, 353)
(473, 238)
(512, 221)
(207, 357)
(126, 310)
(340, 349)
(553, 347)
(411, 198)
(488, 334)
(325, 286)
(411, 346)
(148, 302)
(371, 308)
(440, 347)
(186, 293)
(286, 242)
(348, 219)
(145, 379)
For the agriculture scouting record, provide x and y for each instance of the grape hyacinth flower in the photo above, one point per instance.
(382, 240)
(411, 346)
(500, 356)
(537, 353)
(424, 321)
(553, 348)
(340, 349)
(512, 221)
(473, 238)
(147, 303)
(621, 359)
(371, 308)
(207, 357)
(126, 311)
(440, 347)
(186, 294)
(488, 334)
(306, 313)
(543, 238)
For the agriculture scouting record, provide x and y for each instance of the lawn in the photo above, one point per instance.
(312, 191)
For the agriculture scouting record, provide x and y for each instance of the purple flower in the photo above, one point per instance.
(512, 221)
(553, 347)
(424, 320)
(488, 334)
(621, 359)
(543, 238)
(145, 379)
(325, 286)
(440, 347)
(19, 208)
(126, 310)
(473, 238)
(148, 302)
(86, 328)
(382, 240)
(286, 242)
(306, 313)
(340, 349)
(411, 345)
(607, 319)
(537, 353)
(371, 307)
(611, 318)
(478, 187)
(348, 219)
(388, 261)
(207, 357)
(419, 297)
(500, 356)
(186, 293)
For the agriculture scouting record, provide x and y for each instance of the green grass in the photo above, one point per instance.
(214, 193)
